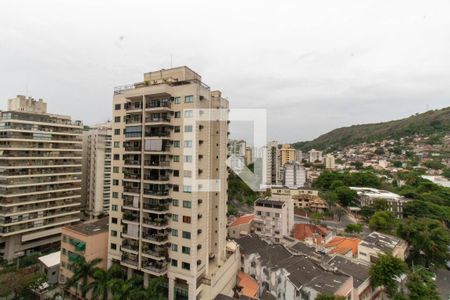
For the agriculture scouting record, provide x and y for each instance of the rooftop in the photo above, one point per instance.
(91, 228)
(375, 193)
(245, 219)
(357, 269)
(51, 260)
(304, 231)
(249, 286)
(342, 245)
(381, 241)
(274, 203)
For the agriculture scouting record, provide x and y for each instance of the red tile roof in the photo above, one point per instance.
(342, 245)
(249, 286)
(245, 219)
(304, 231)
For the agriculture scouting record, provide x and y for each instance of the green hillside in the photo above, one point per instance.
(428, 123)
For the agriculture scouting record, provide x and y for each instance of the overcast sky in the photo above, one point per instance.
(314, 65)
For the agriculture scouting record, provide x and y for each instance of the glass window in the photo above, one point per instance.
(186, 250)
(116, 144)
(187, 189)
(188, 158)
(113, 233)
(114, 220)
(177, 114)
(175, 218)
(174, 232)
(188, 128)
(117, 119)
(187, 204)
(188, 113)
(174, 247)
(189, 99)
(115, 169)
(174, 202)
(176, 158)
(174, 262)
(176, 144)
(117, 107)
(116, 131)
(187, 173)
(114, 207)
(115, 195)
(187, 219)
(186, 235)
(176, 129)
(186, 266)
(177, 100)
(187, 144)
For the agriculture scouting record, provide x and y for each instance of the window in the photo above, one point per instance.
(174, 232)
(115, 195)
(176, 129)
(267, 213)
(189, 99)
(117, 107)
(186, 250)
(188, 113)
(117, 119)
(113, 233)
(174, 202)
(187, 173)
(187, 189)
(187, 219)
(174, 247)
(113, 246)
(176, 173)
(174, 262)
(115, 169)
(187, 144)
(116, 144)
(176, 188)
(177, 114)
(186, 266)
(176, 144)
(177, 100)
(114, 207)
(114, 220)
(187, 204)
(175, 218)
(115, 182)
(116, 131)
(188, 158)
(258, 213)
(188, 128)
(186, 235)
(116, 156)
(176, 158)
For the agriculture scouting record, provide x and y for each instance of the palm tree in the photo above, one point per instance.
(82, 270)
(102, 281)
(154, 291)
(123, 289)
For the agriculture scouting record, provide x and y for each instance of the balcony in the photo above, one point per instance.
(131, 247)
(156, 177)
(132, 162)
(157, 104)
(132, 190)
(158, 253)
(157, 120)
(157, 222)
(159, 237)
(149, 192)
(133, 176)
(132, 217)
(157, 268)
(156, 207)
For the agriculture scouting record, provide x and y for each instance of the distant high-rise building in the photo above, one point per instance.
(330, 162)
(248, 155)
(287, 154)
(315, 156)
(169, 191)
(270, 164)
(294, 175)
(40, 176)
(96, 184)
(299, 155)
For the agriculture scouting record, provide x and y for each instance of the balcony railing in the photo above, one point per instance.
(156, 237)
(156, 193)
(156, 178)
(155, 267)
(132, 162)
(156, 222)
(157, 207)
(156, 163)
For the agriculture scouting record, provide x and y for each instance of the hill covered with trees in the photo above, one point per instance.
(429, 123)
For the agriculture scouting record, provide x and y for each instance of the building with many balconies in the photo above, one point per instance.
(40, 176)
(169, 184)
(96, 184)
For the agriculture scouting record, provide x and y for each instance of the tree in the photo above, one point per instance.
(340, 212)
(367, 212)
(100, 286)
(421, 285)
(124, 289)
(82, 271)
(232, 210)
(382, 221)
(434, 164)
(316, 217)
(354, 228)
(346, 196)
(446, 173)
(428, 240)
(385, 271)
(155, 290)
(380, 205)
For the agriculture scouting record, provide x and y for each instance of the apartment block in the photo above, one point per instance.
(169, 184)
(274, 218)
(294, 175)
(88, 240)
(315, 156)
(96, 183)
(40, 176)
(270, 164)
(287, 154)
(330, 162)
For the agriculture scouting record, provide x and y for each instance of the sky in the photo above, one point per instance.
(314, 65)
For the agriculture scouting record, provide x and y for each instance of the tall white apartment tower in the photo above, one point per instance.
(96, 184)
(40, 176)
(169, 191)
